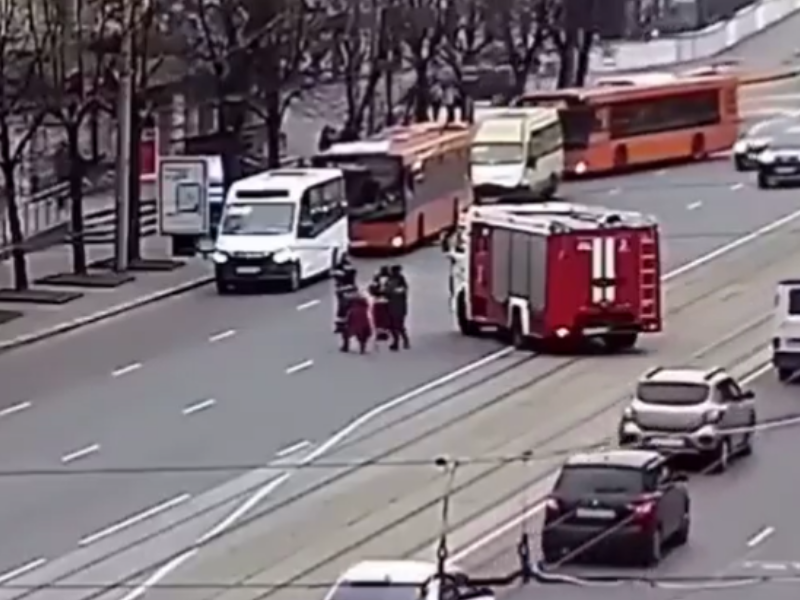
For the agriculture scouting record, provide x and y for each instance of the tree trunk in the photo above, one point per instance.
(421, 109)
(273, 123)
(584, 55)
(18, 259)
(76, 199)
(566, 68)
(134, 186)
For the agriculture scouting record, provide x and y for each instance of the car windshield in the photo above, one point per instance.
(258, 219)
(672, 393)
(497, 154)
(586, 480)
(375, 591)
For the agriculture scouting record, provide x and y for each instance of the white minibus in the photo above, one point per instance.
(517, 151)
(285, 225)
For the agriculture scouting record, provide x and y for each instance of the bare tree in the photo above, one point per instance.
(522, 27)
(78, 73)
(360, 55)
(421, 26)
(22, 46)
(572, 31)
(466, 34)
(294, 41)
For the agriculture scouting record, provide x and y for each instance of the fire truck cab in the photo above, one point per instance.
(556, 272)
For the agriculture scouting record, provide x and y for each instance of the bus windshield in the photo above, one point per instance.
(243, 218)
(375, 185)
(497, 154)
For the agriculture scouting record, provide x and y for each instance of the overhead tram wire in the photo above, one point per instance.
(527, 456)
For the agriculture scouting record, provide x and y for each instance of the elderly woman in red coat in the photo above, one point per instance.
(357, 323)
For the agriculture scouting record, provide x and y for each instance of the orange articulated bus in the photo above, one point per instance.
(643, 120)
(405, 185)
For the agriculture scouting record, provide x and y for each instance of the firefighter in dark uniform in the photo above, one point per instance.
(345, 287)
(397, 293)
(379, 291)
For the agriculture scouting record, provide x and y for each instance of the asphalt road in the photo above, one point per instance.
(743, 526)
(137, 392)
(206, 381)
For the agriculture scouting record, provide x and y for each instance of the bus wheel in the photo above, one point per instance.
(621, 157)
(699, 147)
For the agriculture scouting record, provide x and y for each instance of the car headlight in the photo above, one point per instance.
(628, 414)
(713, 416)
(766, 157)
(740, 147)
(283, 256)
(219, 257)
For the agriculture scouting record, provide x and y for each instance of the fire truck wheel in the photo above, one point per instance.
(467, 327)
(620, 342)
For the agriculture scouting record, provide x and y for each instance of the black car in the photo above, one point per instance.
(615, 504)
(780, 163)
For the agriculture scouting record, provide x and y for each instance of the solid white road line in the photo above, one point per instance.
(126, 369)
(14, 409)
(134, 519)
(21, 570)
(199, 406)
(159, 574)
(307, 305)
(81, 453)
(222, 335)
(365, 418)
(243, 508)
(284, 452)
(300, 367)
(760, 537)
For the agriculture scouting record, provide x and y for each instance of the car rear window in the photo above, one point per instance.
(672, 394)
(358, 590)
(583, 480)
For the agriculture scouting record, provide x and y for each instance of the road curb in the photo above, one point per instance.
(103, 315)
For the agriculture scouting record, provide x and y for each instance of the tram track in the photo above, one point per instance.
(692, 299)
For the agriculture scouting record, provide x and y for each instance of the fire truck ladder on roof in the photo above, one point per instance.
(648, 272)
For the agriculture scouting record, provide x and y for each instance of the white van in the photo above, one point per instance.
(286, 225)
(517, 151)
(786, 330)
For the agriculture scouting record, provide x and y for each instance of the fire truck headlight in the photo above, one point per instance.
(580, 168)
(397, 241)
(562, 332)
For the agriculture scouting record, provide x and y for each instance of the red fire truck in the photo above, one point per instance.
(557, 272)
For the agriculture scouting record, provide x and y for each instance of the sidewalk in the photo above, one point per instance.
(42, 321)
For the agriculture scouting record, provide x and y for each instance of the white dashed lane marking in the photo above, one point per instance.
(694, 205)
(284, 452)
(222, 335)
(199, 406)
(307, 305)
(760, 537)
(14, 409)
(80, 453)
(126, 369)
(300, 367)
(21, 570)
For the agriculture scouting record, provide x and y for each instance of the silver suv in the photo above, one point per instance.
(690, 411)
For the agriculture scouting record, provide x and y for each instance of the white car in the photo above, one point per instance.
(398, 580)
(746, 151)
